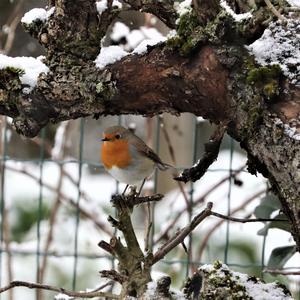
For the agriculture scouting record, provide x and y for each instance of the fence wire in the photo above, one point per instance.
(189, 262)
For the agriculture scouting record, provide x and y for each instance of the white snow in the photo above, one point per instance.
(102, 5)
(37, 14)
(148, 37)
(236, 17)
(294, 2)
(289, 131)
(32, 67)
(257, 290)
(134, 38)
(63, 297)
(119, 31)
(109, 55)
(117, 4)
(143, 46)
(183, 7)
(280, 45)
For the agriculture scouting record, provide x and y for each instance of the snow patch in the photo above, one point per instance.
(63, 297)
(294, 2)
(259, 290)
(102, 5)
(236, 17)
(31, 66)
(109, 55)
(255, 288)
(37, 14)
(119, 31)
(183, 7)
(142, 48)
(289, 131)
(280, 45)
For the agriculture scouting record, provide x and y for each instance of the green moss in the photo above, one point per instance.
(189, 34)
(106, 90)
(267, 78)
(9, 79)
(18, 71)
(217, 264)
(263, 74)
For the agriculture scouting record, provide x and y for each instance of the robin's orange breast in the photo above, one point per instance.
(115, 153)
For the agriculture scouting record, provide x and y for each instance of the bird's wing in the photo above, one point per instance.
(141, 147)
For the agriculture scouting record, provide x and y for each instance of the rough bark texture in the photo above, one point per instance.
(204, 70)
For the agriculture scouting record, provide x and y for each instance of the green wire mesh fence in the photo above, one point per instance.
(75, 266)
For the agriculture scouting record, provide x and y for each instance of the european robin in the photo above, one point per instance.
(127, 158)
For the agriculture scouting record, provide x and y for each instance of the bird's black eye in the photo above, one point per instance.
(118, 136)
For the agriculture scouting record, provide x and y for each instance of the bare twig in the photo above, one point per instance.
(64, 127)
(47, 287)
(218, 224)
(172, 154)
(113, 275)
(12, 23)
(241, 220)
(276, 12)
(133, 201)
(281, 272)
(148, 228)
(67, 199)
(183, 233)
(196, 202)
(211, 153)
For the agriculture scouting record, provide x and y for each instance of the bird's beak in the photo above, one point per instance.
(105, 139)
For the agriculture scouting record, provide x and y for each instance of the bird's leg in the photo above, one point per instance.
(123, 194)
(138, 194)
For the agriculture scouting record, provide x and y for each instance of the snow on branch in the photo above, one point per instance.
(28, 68)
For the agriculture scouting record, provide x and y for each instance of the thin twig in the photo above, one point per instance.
(195, 203)
(241, 220)
(13, 22)
(148, 227)
(218, 224)
(183, 233)
(47, 287)
(172, 154)
(275, 11)
(133, 200)
(281, 272)
(67, 199)
(59, 155)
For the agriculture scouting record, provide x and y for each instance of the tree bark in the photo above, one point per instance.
(204, 70)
